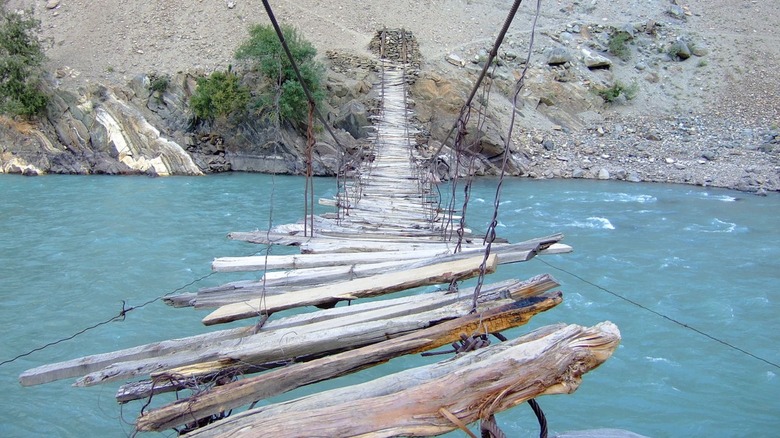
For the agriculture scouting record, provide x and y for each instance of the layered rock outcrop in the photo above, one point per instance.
(99, 131)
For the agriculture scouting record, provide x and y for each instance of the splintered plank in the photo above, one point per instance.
(524, 250)
(293, 376)
(418, 402)
(298, 261)
(81, 366)
(356, 313)
(358, 288)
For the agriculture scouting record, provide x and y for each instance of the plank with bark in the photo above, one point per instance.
(278, 381)
(473, 386)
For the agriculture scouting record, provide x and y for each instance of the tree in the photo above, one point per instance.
(282, 89)
(220, 95)
(21, 60)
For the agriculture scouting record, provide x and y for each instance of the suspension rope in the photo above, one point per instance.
(299, 76)
(118, 317)
(490, 235)
(491, 56)
(659, 314)
(308, 192)
(539, 417)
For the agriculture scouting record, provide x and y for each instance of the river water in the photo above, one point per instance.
(74, 247)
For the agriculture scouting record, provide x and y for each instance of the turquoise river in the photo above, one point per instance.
(72, 248)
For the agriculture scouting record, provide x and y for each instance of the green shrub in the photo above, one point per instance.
(617, 45)
(219, 95)
(611, 94)
(160, 84)
(21, 58)
(265, 54)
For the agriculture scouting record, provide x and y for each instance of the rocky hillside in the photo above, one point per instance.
(703, 77)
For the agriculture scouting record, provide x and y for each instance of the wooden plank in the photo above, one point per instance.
(298, 261)
(295, 333)
(299, 278)
(293, 376)
(79, 367)
(357, 313)
(336, 246)
(359, 288)
(288, 280)
(550, 360)
(360, 312)
(313, 339)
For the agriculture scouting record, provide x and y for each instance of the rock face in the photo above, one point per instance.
(134, 130)
(100, 131)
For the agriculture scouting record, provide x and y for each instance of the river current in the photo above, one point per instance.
(73, 248)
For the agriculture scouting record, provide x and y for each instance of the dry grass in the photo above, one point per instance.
(19, 125)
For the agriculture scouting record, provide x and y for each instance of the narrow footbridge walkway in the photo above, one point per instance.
(393, 193)
(385, 237)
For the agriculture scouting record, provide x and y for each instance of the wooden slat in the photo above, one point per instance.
(301, 338)
(476, 385)
(81, 366)
(359, 288)
(258, 263)
(275, 382)
(295, 261)
(342, 316)
(357, 313)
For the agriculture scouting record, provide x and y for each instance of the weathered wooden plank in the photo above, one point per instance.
(356, 313)
(286, 338)
(296, 375)
(295, 279)
(253, 353)
(475, 385)
(335, 246)
(298, 261)
(81, 366)
(327, 235)
(299, 278)
(277, 282)
(359, 288)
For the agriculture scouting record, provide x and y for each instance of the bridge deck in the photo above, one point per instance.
(392, 192)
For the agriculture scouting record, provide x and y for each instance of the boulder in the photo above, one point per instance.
(594, 60)
(680, 50)
(558, 56)
(455, 60)
(353, 118)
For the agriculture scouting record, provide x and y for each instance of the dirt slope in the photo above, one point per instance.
(111, 41)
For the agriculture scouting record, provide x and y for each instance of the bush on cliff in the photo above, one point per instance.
(220, 95)
(21, 58)
(281, 92)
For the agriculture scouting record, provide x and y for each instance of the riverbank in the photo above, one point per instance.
(711, 119)
(684, 149)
